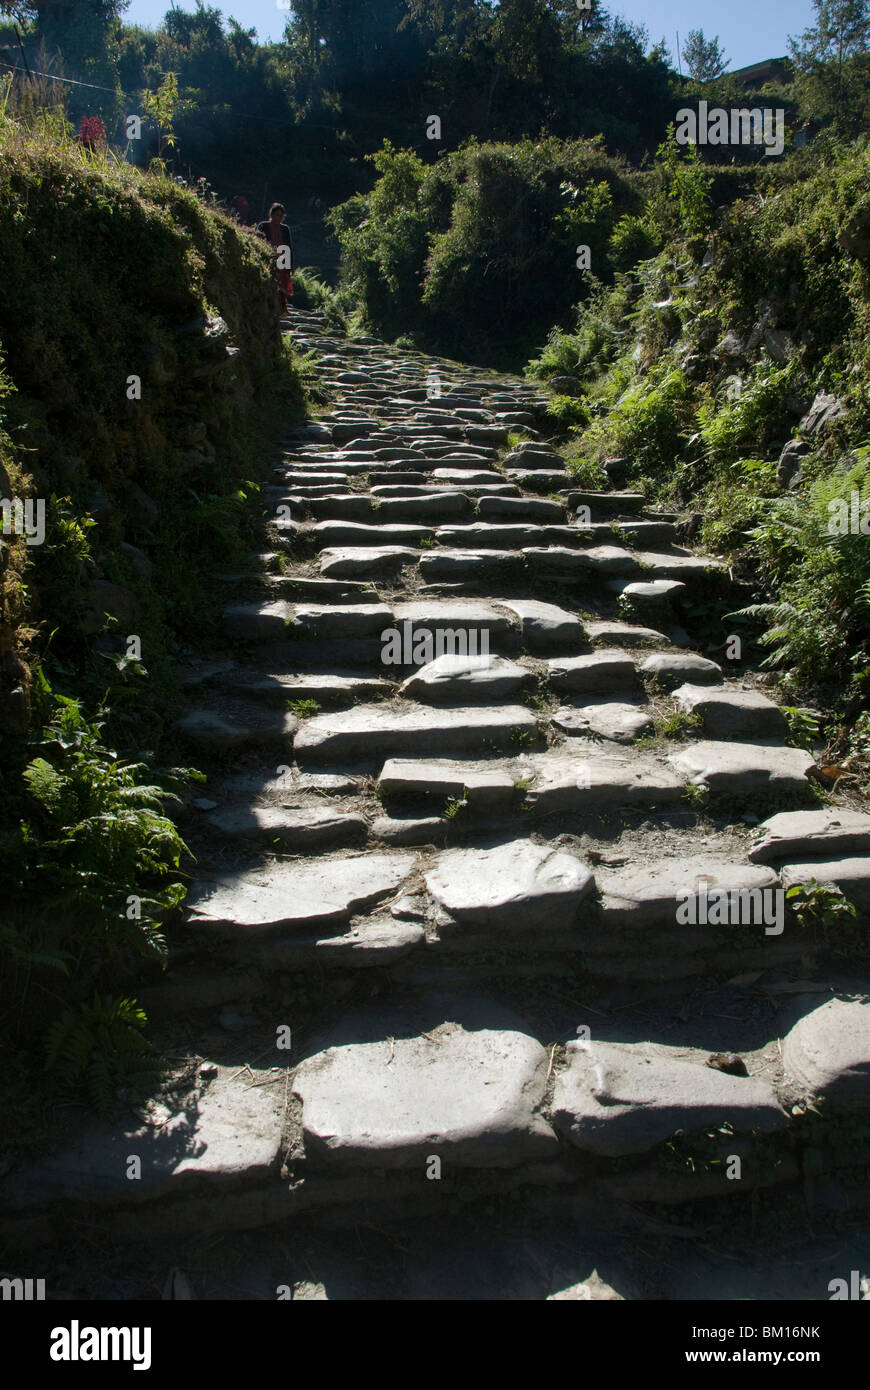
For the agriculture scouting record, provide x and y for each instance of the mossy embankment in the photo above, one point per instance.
(144, 377)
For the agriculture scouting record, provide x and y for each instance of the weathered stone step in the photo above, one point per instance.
(601, 670)
(451, 679)
(483, 785)
(735, 768)
(333, 620)
(372, 732)
(391, 1089)
(438, 564)
(487, 535)
(333, 686)
(297, 829)
(557, 560)
(331, 534)
(430, 509)
(729, 713)
(605, 503)
(826, 833)
(615, 1099)
(273, 896)
(230, 724)
(520, 508)
(365, 562)
(544, 626)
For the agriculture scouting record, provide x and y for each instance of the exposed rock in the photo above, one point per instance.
(828, 1053)
(517, 887)
(824, 412)
(615, 1099)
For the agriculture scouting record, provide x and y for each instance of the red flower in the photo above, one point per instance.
(91, 130)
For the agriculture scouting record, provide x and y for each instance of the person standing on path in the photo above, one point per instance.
(277, 232)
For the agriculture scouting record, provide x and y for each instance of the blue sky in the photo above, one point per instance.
(748, 30)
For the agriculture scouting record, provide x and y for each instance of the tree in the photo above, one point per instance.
(833, 64)
(703, 57)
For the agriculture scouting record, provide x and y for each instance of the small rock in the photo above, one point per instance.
(231, 1022)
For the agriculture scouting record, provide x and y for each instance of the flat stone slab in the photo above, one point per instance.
(236, 724)
(377, 731)
(567, 780)
(352, 620)
(601, 670)
(520, 509)
(652, 591)
(544, 625)
(351, 533)
(626, 635)
(851, 876)
(362, 561)
(651, 894)
(729, 713)
(626, 1098)
(830, 832)
(462, 564)
(228, 1132)
(443, 778)
(828, 1053)
(679, 567)
(302, 828)
(741, 767)
(681, 666)
(462, 614)
(284, 894)
(256, 622)
(465, 677)
(469, 1097)
(372, 943)
(611, 719)
(307, 685)
(519, 886)
(597, 559)
(501, 536)
(409, 830)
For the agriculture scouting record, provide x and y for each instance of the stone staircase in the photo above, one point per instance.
(473, 802)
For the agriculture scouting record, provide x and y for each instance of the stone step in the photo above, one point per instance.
(230, 724)
(373, 732)
(486, 535)
(334, 620)
(520, 509)
(332, 534)
(826, 833)
(333, 688)
(596, 560)
(544, 626)
(366, 561)
(605, 503)
(453, 679)
(297, 829)
(431, 509)
(605, 669)
(729, 713)
(482, 784)
(736, 768)
(388, 1090)
(269, 897)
